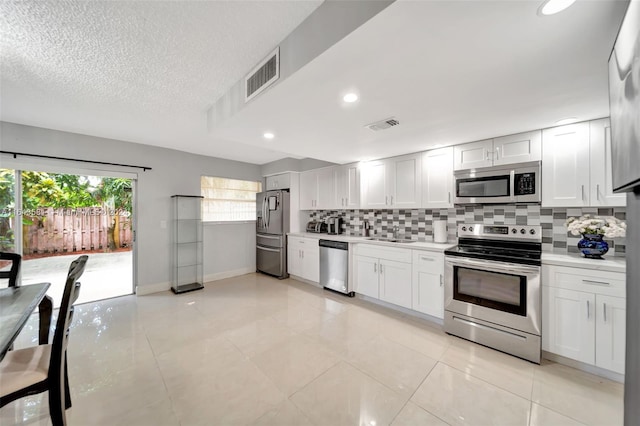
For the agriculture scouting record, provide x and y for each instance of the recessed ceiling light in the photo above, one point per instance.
(269, 135)
(568, 120)
(350, 97)
(551, 7)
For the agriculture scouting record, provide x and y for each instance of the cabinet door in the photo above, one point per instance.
(374, 181)
(428, 284)
(281, 181)
(348, 187)
(601, 183)
(473, 155)
(568, 323)
(565, 166)
(437, 178)
(610, 332)
(326, 198)
(405, 180)
(518, 148)
(308, 190)
(395, 282)
(366, 276)
(294, 257)
(311, 260)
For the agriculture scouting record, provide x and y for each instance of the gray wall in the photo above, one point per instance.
(632, 368)
(174, 172)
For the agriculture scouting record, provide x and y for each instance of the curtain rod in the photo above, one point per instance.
(15, 155)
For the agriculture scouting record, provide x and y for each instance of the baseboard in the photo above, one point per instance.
(588, 368)
(152, 288)
(228, 274)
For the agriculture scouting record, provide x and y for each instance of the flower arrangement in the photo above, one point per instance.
(608, 226)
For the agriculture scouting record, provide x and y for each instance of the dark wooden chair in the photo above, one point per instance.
(45, 309)
(11, 274)
(43, 368)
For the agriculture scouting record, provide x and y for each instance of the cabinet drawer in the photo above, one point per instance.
(428, 261)
(592, 281)
(389, 253)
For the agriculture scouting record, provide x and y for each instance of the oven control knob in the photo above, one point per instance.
(464, 228)
(471, 229)
(532, 231)
(522, 231)
(514, 231)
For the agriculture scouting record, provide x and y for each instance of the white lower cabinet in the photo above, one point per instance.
(583, 315)
(303, 258)
(383, 273)
(412, 279)
(428, 283)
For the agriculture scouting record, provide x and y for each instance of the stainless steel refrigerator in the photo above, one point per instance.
(272, 226)
(624, 97)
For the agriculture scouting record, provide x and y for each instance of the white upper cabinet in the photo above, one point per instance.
(565, 166)
(518, 148)
(281, 181)
(576, 166)
(317, 189)
(601, 182)
(395, 182)
(473, 155)
(437, 178)
(347, 186)
(511, 149)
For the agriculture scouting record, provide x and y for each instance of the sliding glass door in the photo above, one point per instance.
(55, 217)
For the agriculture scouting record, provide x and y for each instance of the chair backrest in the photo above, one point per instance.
(65, 316)
(11, 274)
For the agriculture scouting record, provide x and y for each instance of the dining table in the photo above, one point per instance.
(16, 306)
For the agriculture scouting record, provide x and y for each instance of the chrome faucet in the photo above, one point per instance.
(396, 229)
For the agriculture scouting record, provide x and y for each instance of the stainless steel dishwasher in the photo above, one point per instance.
(334, 266)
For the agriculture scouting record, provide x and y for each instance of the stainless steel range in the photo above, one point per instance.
(492, 288)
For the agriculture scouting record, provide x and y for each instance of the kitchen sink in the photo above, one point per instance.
(390, 240)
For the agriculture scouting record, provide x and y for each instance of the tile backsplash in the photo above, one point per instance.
(417, 224)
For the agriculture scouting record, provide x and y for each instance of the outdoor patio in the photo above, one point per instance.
(107, 275)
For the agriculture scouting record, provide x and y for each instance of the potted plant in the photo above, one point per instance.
(593, 229)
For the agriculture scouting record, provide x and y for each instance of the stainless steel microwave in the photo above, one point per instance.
(514, 183)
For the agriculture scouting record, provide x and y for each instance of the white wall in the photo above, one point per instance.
(174, 172)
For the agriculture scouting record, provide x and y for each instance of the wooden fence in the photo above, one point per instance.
(73, 230)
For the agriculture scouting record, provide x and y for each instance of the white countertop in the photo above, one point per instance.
(418, 245)
(610, 263)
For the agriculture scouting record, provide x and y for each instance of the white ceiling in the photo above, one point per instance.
(450, 71)
(140, 71)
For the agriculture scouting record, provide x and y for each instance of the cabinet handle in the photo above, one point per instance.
(392, 200)
(430, 259)
(497, 153)
(598, 191)
(488, 152)
(375, 268)
(605, 312)
(596, 282)
(588, 310)
(582, 192)
(381, 268)
(386, 200)
(449, 197)
(441, 280)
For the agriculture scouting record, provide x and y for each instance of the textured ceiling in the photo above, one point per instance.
(142, 71)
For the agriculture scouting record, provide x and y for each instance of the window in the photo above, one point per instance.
(228, 199)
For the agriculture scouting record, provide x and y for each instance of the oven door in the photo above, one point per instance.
(507, 294)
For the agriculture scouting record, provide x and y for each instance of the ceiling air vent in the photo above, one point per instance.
(383, 124)
(263, 75)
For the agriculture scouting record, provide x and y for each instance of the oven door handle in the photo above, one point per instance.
(494, 266)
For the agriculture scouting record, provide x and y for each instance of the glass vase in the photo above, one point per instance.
(593, 246)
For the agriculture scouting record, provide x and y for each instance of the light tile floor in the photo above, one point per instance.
(255, 350)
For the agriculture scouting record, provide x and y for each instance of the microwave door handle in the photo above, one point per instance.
(512, 185)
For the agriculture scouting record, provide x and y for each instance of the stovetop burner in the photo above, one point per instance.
(505, 243)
